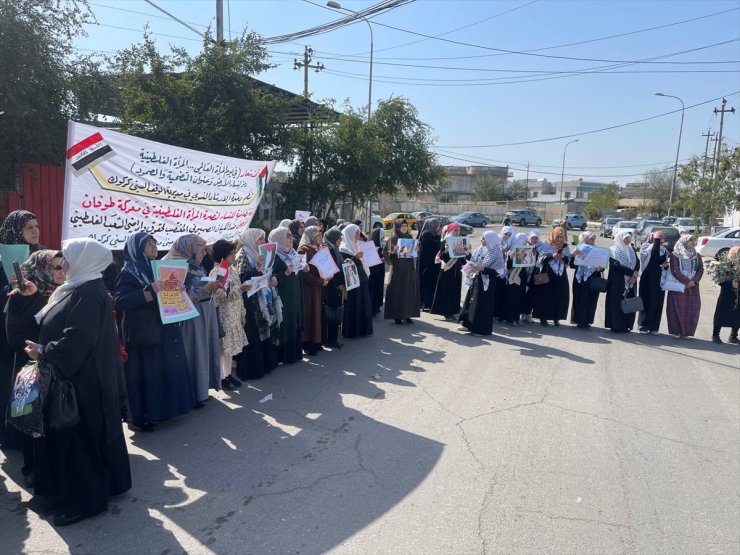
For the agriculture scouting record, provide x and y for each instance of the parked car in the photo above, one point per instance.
(622, 225)
(669, 220)
(471, 218)
(421, 215)
(608, 224)
(443, 221)
(718, 245)
(572, 221)
(640, 234)
(523, 217)
(687, 226)
(391, 218)
(671, 234)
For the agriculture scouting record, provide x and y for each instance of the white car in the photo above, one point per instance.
(686, 226)
(629, 225)
(718, 245)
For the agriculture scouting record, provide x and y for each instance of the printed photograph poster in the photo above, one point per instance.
(456, 246)
(591, 256)
(351, 277)
(523, 257)
(10, 254)
(299, 262)
(407, 248)
(258, 283)
(174, 303)
(370, 256)
(302, 215)
(268, 251)
(324, 263)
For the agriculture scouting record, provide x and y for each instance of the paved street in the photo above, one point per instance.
(421, 439)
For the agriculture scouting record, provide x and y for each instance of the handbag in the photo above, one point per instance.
(630, 305)
(541, 278)
(25, 410)
(60, 410)
(597, 283)
(221, 329)
(333, 314)
(668, 282)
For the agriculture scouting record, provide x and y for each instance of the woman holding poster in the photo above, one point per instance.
(486, 264)
(157, 373)
(264, 311)
(585, 298)
(358, 315)
(313, 286)
(552, 299)
(402, 300)
(291, 295)
(449, 281)
(200, 334)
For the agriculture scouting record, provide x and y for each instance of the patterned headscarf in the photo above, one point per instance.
(309, 237)
(186, 247)
(584, 272)
(687, 257)
(11, 232)
(348, 244)
(624, 254)
(38, 270)
(646, 250)
(488, 256)
(135, 261)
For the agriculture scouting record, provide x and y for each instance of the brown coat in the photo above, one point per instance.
(312, 287)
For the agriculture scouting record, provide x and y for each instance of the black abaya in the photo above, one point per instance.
(552, 300)
(449, 287)
(585, 301)
(429, 246)
(615, 319)
(358, 315)
(477, 311)
(653, 297)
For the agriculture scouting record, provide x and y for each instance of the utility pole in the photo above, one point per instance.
(526, 187)
(708, 135)
(220, 22)
(306, 64)
(721, 112)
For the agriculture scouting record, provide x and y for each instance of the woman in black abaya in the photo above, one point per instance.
(487, 264)
(653, 260)
(624, 269)
(429, 244)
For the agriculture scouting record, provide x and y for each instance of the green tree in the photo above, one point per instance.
(35, 74)
(489, 188)
(516, 190)
(658, 185)
(602, 201)
(710, 195)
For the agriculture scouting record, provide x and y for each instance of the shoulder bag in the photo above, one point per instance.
(597, 283)
(541, 278)
(630, 305)
(668, 282)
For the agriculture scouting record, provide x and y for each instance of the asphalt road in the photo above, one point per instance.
(421, 439)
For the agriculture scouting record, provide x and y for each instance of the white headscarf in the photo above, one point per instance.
(624, 254)
(519, 240)
(510, 230)
(285, 223)
(284, 239)
(646, 251)
(87, 259)
(348, 244)
(248, 239)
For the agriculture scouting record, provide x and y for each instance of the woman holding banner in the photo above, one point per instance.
(585, 297)
(402, 295)
(514, 284)
(358, 314)
(552, 299)
(291, 294)
(449, 281)
(157, 373)
(486, 264)
(264, 311)
(313, 288)
(199, 334)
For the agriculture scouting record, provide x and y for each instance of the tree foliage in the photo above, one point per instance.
(602, 201)
(360, 160)
(36, 69)
(490, 188)
(710, 195)
(658, 185)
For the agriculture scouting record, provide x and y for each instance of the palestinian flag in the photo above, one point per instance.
(262, 180)
(87, 151)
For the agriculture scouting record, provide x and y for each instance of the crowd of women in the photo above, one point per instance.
(101, 330)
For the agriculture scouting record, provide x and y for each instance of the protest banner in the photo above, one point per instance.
(456, 246)
(267, 251)
(302, 215)
(117, 184)
(523, 257)
(407, 248)
(174, 303)
(257, 283)
(591, 256)
(370, 256)
(324, 263)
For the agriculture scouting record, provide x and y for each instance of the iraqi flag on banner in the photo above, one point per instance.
(88, 151)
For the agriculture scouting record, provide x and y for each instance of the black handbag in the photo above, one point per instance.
(61, 409)
(221, 329)
(597, 283)
(333, 314)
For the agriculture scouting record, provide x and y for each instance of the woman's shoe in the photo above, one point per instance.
(64, 519)
(733, 339)
(557, 322)
(544, 323)
(398, 321)
(226, 385)
(236, 383)
(409, 321)
(717, 340)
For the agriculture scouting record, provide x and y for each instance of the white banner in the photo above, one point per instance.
(116, 185)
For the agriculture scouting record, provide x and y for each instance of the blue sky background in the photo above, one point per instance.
(466, 112)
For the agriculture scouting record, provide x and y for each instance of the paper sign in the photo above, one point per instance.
(268, 252)
(174, 303)
(299, 262)
(258, 283)
(468, 269)
(324, 263)
(10, 254)
(523, 257)
(302, 215)
(351, 277)
(370, 256)
(456, 246)
(591, 256)
(407, 248)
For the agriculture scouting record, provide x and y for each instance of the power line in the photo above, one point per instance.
(143, 13)
(180, 21)
(591, 132)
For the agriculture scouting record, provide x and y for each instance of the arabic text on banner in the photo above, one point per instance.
(116, 185)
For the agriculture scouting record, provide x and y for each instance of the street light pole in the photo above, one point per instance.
(562, 176)
(338, 6)
(678, 150)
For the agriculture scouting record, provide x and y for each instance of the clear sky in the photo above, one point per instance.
(492, 73)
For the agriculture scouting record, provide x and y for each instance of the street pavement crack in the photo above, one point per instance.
(553, 516)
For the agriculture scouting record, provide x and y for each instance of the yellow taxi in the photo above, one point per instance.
(391, 218)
